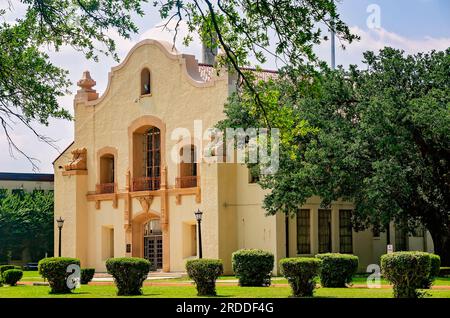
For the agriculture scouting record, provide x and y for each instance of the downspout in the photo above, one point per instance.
(287, 234)
(388, 234)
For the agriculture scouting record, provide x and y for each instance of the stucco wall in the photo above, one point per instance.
(177, 101)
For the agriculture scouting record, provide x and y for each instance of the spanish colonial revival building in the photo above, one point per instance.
(122, 192)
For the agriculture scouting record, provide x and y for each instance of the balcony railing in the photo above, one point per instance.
(146, 183)
(187, 182)
(105, 188)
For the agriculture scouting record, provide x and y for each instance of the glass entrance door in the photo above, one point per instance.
(153, 245)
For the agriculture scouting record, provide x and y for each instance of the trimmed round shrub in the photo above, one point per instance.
(434, 271)
(4, 268)
(407, 271)
(253, 267)
(301, 273)
(12, 276)
(337, 270)
(86, 275)
(54, 269)
(129, 274)
(204, 272)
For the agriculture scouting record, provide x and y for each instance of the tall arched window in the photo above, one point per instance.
(145, 82)
(188, 167)
(147, 159)
(107, 182)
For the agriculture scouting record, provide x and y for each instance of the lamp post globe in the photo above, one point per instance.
(198, 215)
(60, 222)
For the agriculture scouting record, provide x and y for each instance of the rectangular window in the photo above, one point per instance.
(107, 242)
(324, 231)
(303, 232)
(345, 232)
(401, 238)
(189, 240)
(419, 231)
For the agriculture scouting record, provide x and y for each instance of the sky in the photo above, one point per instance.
(411, 25)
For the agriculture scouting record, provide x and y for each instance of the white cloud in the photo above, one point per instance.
(159, 32)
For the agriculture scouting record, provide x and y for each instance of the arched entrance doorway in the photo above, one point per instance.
(153, 243)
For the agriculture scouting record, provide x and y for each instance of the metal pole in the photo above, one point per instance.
(333, 46)
(59, 247)
(286, 226)
(333, 51)
(200, 253)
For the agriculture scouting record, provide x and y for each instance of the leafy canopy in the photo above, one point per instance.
(26, 222)
(30, 83)
(378, 137)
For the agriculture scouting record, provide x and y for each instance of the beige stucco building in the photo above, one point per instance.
(122, 193)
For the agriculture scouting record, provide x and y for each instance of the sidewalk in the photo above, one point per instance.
(105, 277)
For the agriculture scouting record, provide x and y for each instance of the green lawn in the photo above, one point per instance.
(33, 276)
(439, 281)
(25, 291)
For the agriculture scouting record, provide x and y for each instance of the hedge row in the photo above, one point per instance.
(301, 274)
(204, 273)
(129, 274)
(253, 267)
(410, 272)
(337, 270)
(12, 276)
(54, 269)
(86, 275)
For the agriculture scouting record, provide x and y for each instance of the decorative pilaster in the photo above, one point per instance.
(127, 216)
(165, 221)
(128, 181)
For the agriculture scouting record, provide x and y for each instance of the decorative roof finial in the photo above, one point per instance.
(86, 92)
(86, 82)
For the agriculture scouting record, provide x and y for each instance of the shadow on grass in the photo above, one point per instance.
(144, 295)
(310, 297)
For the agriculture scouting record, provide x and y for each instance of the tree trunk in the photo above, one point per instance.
(441, 242)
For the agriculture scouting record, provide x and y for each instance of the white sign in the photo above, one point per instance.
(390, 249)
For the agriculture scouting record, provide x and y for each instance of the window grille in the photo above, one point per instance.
(345, 232)
(324, 231)
(303, 232)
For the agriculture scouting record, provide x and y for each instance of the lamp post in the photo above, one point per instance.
(198, 217)
(60, 223)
